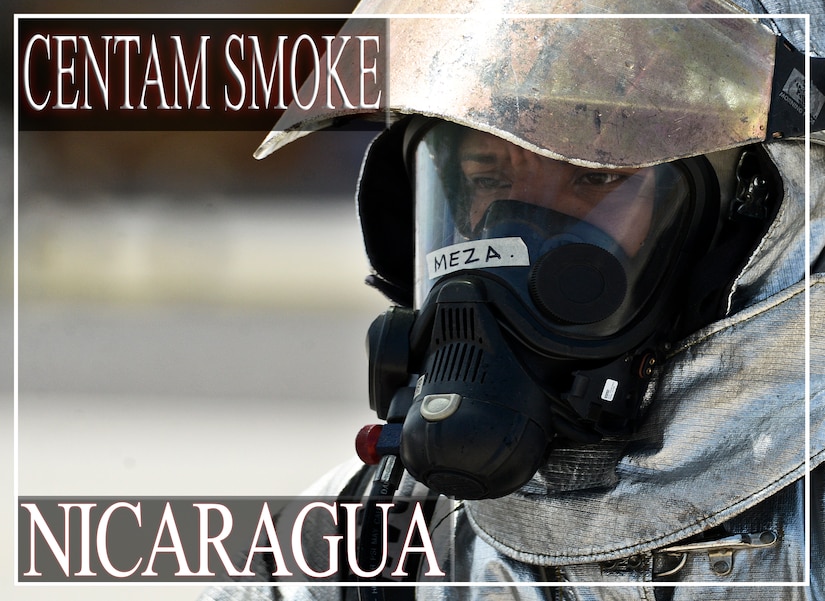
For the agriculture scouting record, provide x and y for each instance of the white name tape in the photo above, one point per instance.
(476, 254)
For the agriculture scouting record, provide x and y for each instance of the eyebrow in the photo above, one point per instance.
(478, 157)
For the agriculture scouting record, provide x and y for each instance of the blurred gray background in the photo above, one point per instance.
(191, 321)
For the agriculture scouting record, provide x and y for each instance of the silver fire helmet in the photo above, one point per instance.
(616, 83)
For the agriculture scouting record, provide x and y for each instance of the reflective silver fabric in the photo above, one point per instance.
(793, 29)
(732, 430)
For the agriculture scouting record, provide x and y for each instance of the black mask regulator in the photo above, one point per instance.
(479, 420)
(553, 332)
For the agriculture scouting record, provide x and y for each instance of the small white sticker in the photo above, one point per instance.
(476, 254)
(793, 92)
(419, 384)
(609, 390)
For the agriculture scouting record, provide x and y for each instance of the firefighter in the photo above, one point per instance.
(603, 241)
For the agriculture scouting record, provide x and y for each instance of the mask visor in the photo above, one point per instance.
(582, 248)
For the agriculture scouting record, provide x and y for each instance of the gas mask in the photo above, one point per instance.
(545, 294)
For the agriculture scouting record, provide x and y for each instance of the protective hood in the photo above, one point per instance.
(684, 85)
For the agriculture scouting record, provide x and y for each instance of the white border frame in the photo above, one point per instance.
(16, 85)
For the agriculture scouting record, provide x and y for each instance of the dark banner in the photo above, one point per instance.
(199, 73)
(226, 539)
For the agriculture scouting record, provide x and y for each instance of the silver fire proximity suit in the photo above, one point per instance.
(719, 492)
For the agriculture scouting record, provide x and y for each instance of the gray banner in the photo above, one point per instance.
(207, 540)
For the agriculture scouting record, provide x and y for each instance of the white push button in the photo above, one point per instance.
(436, 407)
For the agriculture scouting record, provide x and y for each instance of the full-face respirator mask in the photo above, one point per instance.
(544, 295)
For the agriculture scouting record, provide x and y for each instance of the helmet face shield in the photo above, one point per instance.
(584, 249)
